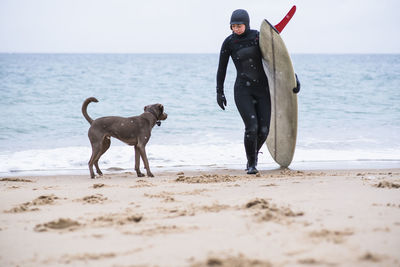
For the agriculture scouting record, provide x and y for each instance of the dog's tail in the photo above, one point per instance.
(84, 108)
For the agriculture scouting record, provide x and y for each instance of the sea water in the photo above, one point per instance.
(349, 111)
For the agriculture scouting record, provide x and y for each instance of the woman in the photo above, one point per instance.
(251, 89)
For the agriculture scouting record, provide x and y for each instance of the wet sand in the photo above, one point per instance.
(203, 218)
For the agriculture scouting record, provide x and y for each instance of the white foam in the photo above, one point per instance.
(74, 159)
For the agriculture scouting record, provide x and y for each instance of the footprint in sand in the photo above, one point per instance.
(206, 178)
(371, 257)
(166, 196)
(33, 205)
(93, 199)
(266, 211)
(387, 184)
(336, 237)
(232, 261)
(95, 186)
(60, 224)
(115, 219)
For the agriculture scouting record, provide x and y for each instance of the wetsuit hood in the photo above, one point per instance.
(240, 16)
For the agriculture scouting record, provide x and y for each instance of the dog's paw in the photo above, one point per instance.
(140, 175)
(150, 174)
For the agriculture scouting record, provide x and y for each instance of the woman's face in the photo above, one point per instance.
(238, 28)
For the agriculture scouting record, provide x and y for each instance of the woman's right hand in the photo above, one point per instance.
(221, 100)
(296, 90)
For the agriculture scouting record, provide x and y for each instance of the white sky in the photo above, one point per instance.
(193, 26)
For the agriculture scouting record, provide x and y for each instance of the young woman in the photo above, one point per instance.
(251, 89)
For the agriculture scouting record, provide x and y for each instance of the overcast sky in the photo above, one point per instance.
(193, 26)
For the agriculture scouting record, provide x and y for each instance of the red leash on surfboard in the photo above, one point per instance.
(281, 25)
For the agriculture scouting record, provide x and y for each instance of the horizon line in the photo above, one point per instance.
(194, 53)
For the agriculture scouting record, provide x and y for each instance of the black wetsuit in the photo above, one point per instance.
(251, 90)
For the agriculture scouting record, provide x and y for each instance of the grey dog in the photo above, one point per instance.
(134, 131)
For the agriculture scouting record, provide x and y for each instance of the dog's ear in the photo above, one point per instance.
(146, 108)
(161, 107)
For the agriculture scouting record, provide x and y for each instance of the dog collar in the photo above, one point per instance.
(158, 122)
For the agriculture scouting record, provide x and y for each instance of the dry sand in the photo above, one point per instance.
(210, 218)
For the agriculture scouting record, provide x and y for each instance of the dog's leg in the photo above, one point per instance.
(137, 162)
(91, 166)
(105, 146)
(92, 160)
(145, 161)
(96, 165)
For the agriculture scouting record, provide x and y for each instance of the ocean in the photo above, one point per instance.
(349, 112)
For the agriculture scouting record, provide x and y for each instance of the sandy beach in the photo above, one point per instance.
(203, 218)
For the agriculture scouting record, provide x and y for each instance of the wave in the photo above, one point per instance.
(173, 157)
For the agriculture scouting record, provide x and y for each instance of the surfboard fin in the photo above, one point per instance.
(281, 25)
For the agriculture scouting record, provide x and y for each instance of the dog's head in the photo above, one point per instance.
(157, 110)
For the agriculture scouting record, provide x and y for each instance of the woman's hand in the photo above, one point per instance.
(298, 85)
(221, 100)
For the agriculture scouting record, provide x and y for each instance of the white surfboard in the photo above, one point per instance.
(281, 141)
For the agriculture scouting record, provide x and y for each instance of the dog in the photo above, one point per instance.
(134, 131)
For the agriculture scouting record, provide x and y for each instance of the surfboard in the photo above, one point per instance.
(281, 141)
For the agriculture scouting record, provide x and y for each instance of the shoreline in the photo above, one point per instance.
(262, 167)
(197, 218)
